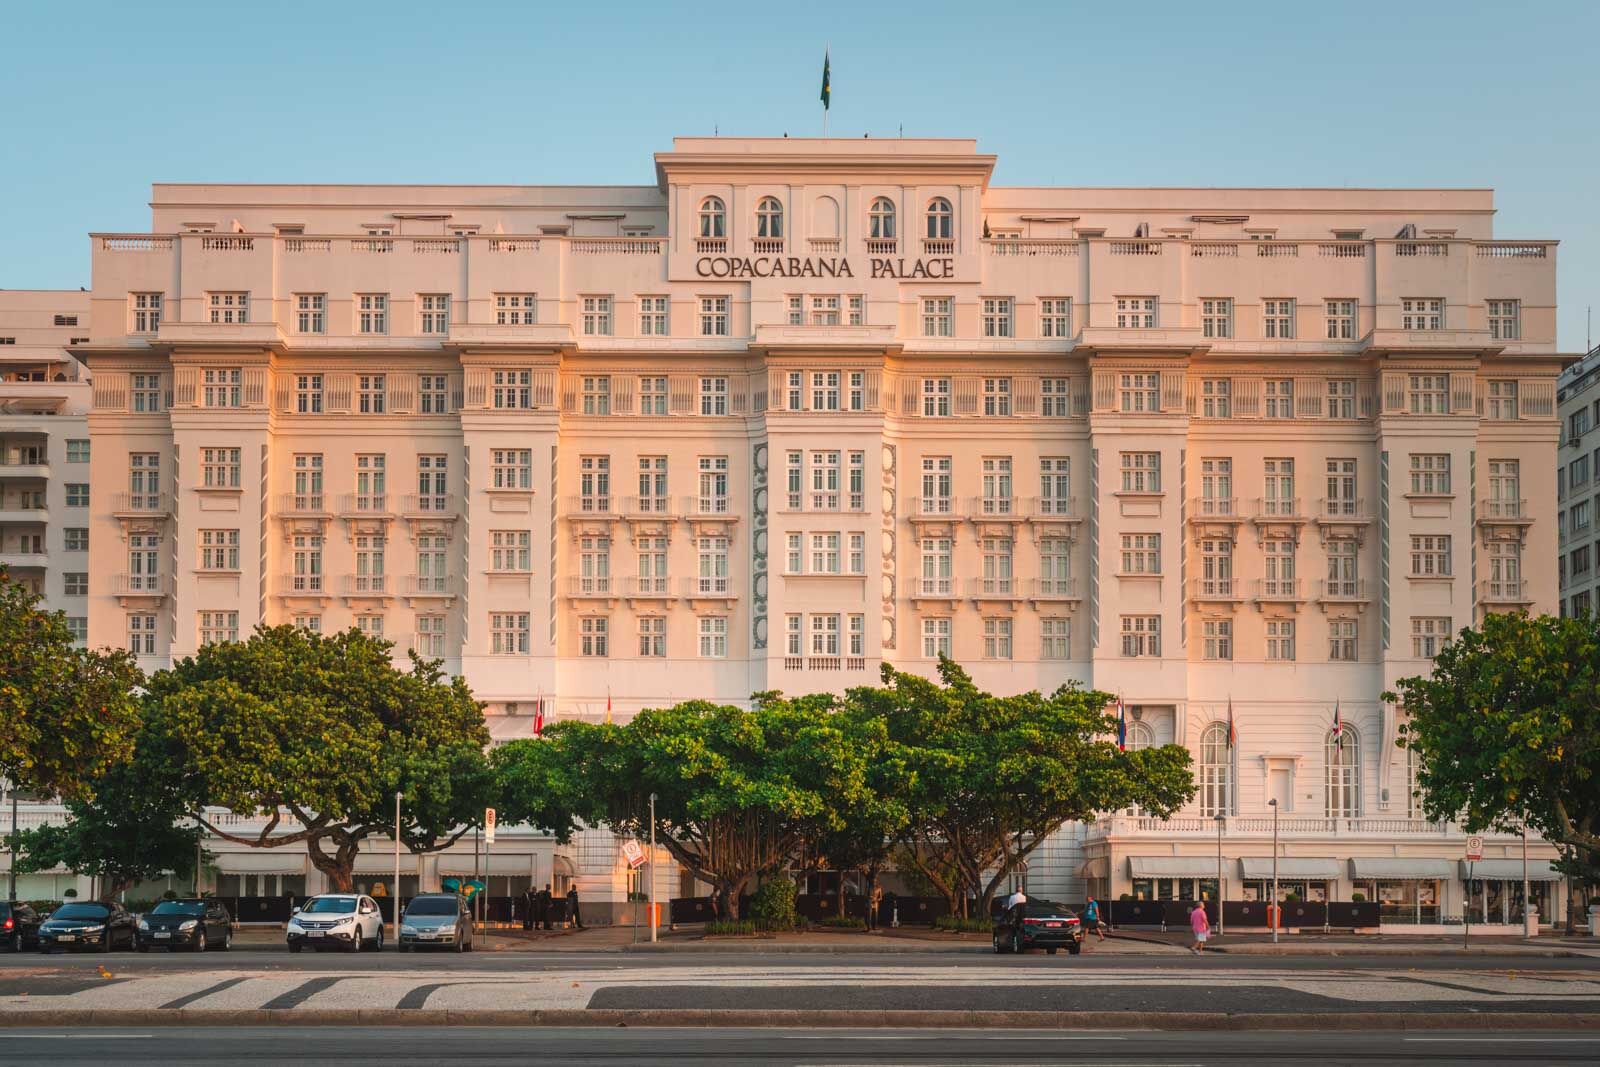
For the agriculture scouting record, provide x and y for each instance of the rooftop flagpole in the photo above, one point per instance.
(827, 95)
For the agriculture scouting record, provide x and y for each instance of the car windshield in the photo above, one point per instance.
(432, 906)
(1038, 908)
(179, 907)
(327, 905)
(81, 911)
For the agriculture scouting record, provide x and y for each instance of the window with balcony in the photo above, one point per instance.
(1141, 472)
(432, 482)
(936, 397)
(1216, 486)
(372, 482)
(1216, 770)
(307, 563)
(936, 575)
(769, 220)
(714, 316)
(652, 396)
(1505, 488)
(1279, 398)
(935, 638)
(998, 579)
(1141, 553)
(997, 638)
(371, 393)
(433, 573)
(147, 394)
(228, 309)
(1505, 571)
(512, 389)
(653, 313)
(221, 387)
(713, 485)
(1136, 312)
(1430, 474)
(508, 633)
(1055, 485)
(594, 565)
(998, 316)
(219, 550)
(1278, 558)
(370, 573)
(1430, 556)
(141, 634)
(307, 482)
(1277, 319)
(1428, 394)
(1342, 398)
(144, 481)
(652, 560)
(1216, 317)
(372, 313)
(144, 312)
(653, 485)
(1055, 316)
(219, 468)
(1216, 398)
(594, 484)
(880, 220)
(1278, 484)
(1342, 640)
(516, 309)
(1501, 403)
(938, 316)
(1421, 313)
(596, 316)
(941, 219)
(1341, 319)
(713, 218)
(1216, 567)
(997, 396)
(1141, 635)
(936, 485)
(1139, 392)
(434, 312)
(712, 578)
(1218, 639)
(596, 395)
(997, 496)
(1342, 751)
(713, 396)
(510, 551)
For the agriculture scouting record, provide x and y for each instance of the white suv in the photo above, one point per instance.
(336, 920)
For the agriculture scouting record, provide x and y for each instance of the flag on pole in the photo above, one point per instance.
(608, 707)
(1122, 726)
(1338, 727)
(1233, 734)
(826, 92)
(538, 717)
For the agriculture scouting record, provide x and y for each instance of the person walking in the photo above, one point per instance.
(541, 908)
(1091, 918)
(529, 900)
(1017, 897)
(1201, 926)
(572, 907)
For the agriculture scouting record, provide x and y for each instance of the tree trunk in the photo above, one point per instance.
(339, 868)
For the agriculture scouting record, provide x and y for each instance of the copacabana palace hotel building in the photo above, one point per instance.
(800, 407)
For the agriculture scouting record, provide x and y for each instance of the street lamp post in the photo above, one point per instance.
(13, 849)
(1272, 906)
(654, 922)
(1221, 821)
(395, 892)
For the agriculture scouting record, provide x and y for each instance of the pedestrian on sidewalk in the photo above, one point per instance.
(1091, 918)
(541, 908)
(528, 900)
(1201, 926)
(572, 907)
(1017, 897)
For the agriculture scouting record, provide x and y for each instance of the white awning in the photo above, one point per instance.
(287, 860)
(383, 862)
(1365, 867)
(1099, 867)
(1511, 870)
(1290, 867)
(515, 865)
(1172, 866)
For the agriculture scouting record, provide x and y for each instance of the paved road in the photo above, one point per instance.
(229, 982)
(454, 1046)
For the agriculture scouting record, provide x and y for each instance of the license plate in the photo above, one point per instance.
(316, 933)
(1053, 925)
(430, 937)
(66, 937)
(163, 933)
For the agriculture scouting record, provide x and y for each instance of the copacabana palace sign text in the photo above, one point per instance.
(733, 267)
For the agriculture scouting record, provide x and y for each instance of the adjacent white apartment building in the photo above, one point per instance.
(800, 407)
(1578, 484)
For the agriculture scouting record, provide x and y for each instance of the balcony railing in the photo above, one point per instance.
(302, 584)
(140, 584)
(709, 585)
(1278, 589)
(1032, 246)
(824, 663)
(1216, 589)
(934, 506)
(426, 585)
(439, 504)
(141, 504)
(366, 585)
(1056, 507)
(1502, 509)
(648, 507)
(711, 246)
(589, 586)
(993, 587)
(24, 470)
(938, 246)
(1422, 248)
(1335, 511)
(708, 507)
(1237, 826)
(1213, 507)
(364, 504)
(594, 506)
(617, 246)
(1283, 510)
(882, 246)
(942, 588)
(1343, 590)
(1053, 589)
(654, 587)
(766, 246)
(824, 246)
(303, 504)
(994, 507)
(1503, 591)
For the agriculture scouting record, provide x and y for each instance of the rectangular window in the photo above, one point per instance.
(824, 310)
(1141, 635)
(77, 538)
(1055, 316)
(75, 583)
(652, 559)
(1429, 635)
(1428, 394)
(824, 635)
(1141, 553)
(220, 387)
(229, 309)
(431, 392)
(1277, 319)
(219, 550)
(997, 638)
(1053, 398)
(997, 488)
(1055, 566)
(935, 638)
(77, 451)
(712, 579)
(997, 316)
(653, 636)
(147, 395)
(1280, 398)
(1216, 317)
(77, 494)
(936, 573)
(1430, 556)
(79, 625)
(311, 623)
(142, 634)
(1141, 472)
(597, 396)
(428, 636)
(1280, 640)
(1218, 635)
(510, 551)
(652, 396)
(1504, 316)
(1139, 392)
(713, 396)
(1054, 639)
(218, 626)
(653, 320)
(825, 390)
(825, 481)
(1216, 398)
(1430, 474)
(936, 485)
(307, 577)
(516, 309)
(1342, 640)
(594, 565)
(594, 484)
(508, 633)
(308, 394)
(372, 313)
(594, 636)
(997, 396)
(512, 389)
(371, 482)
(936, 397)
(1341, 320)
(219, 468)
(1055, 486)
(714, 316)
(1136, 312)
(653, 485)
(856, 563)
(434, 309)
(433, 572)
(714, 637)
(512, 468)
(858, 391)
(145, 312)
(712, 498)
(1278, 558)
(1341, 398)
(997, 566)
(596, 316)
(938, 316)
(1502, 400)
(371, 389)
(1421, 313)
(433, 483)
(311, 313)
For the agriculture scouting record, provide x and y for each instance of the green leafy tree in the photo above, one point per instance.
(990, 777)
(1506, 731)
(134, 827)
(862, 837)
(67, 714)
(326, 730)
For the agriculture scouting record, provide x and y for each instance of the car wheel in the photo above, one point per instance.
(16, 942)
(357, 942)
(1016, 943)
(295, 946)
(200, 940)
(377, 942)
(1051, 951)
(997, 947)
(1074, 949)
(227, 940)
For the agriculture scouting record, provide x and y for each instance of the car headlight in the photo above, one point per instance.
(94, 929)
(144, 924)
(347, 920)
(404, 929)
(447, 928)
(189, 924)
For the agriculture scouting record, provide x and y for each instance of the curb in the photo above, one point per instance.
(765, 948)
(832, 1019)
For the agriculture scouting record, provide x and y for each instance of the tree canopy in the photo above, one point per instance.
(67, 714)
(1506, 730)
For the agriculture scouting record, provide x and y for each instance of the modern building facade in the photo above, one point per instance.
(803, 407)
(1578, 484)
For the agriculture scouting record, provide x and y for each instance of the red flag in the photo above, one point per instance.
(1233, 735)
(1338, 727)
(538, 717)
(608, 707)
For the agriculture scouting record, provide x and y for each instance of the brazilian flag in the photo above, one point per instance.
(825, 91)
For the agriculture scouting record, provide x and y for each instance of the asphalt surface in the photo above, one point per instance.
(387, 1046)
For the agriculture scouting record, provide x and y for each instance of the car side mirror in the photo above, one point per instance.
(295, 910)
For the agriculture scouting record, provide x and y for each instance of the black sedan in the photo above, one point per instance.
(19, 926)
(1038, 924)
(190, 923)
(95, 926)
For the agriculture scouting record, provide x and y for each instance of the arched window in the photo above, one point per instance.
(1344, 773)
(1216, 771)
(713, 217)
(769, 217)
(880, 220)
(1139, 736)
(940, 219)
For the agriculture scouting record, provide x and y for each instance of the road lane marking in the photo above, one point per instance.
(301, 993)
(190, 998)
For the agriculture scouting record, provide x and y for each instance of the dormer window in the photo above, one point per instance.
(880, 220)
(769, 218)
(941, 219)
(713, 218)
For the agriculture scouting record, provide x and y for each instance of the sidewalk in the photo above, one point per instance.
(1261, 944)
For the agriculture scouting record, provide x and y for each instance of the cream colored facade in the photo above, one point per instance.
(803, 407)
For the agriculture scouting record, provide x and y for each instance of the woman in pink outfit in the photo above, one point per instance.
(1201, 926)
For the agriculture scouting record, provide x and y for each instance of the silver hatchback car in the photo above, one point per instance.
(436, 920)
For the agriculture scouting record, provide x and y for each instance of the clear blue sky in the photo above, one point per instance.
(98, 99)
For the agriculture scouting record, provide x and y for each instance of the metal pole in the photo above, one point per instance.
(477, 898)
(199, 837)
(1524, 880)
(1466, 908)
(1219, 875)
(394, 892)
(653, 921)
(1272, 907)
(13, 850)
(488, 880)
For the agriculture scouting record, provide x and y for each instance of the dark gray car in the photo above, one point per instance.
(436, 920)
